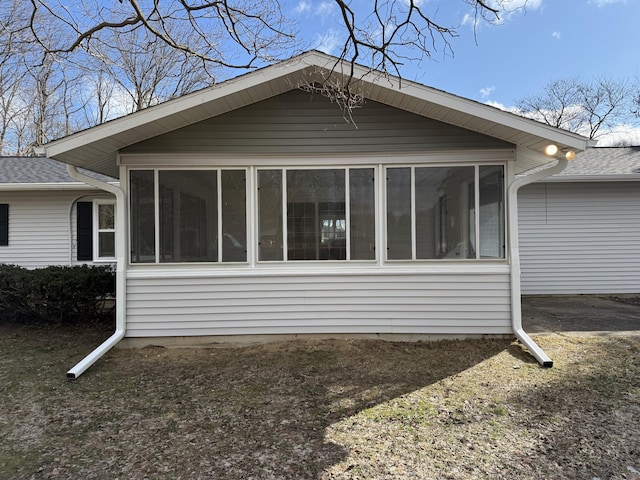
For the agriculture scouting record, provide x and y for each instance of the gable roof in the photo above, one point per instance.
(96, 148)
(602, 164)
(33, 173)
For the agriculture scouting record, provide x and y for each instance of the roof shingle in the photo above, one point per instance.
(37, 170)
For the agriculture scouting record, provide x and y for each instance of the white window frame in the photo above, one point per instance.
(476, 183)
(97, 230)
(379, 170)
(156, 188)
(285, 246)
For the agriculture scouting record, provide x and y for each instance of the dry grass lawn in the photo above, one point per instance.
(319, 409)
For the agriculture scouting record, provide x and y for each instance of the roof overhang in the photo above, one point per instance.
(97, 148)
(68, 186)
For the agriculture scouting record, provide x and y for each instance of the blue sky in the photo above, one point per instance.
(549, 40)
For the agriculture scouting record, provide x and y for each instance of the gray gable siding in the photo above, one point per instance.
(300, 122)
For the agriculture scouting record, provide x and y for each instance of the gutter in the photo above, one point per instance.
(516, 300)
(121, 272)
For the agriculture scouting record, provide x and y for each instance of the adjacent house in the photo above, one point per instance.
(580, 229)
(260, 207)
(48, 218)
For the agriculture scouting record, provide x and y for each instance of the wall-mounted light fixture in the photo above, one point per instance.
(552, 149)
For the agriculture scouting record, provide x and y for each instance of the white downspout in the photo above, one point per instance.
(516, 301)
(121, 272)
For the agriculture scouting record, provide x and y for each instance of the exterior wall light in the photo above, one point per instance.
(551, 150)
(570, 155)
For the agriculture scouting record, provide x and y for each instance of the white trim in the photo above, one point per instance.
(285, 237)
(270, 161)
(592, 178)
(251, 241)
(156, 216)
(218, 215)
(46, 186)
(320, 268)
(380, 217)
(412, 189)
(96, 230)
(476, 220)
(347, 213)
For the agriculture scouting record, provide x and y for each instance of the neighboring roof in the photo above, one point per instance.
(97, 147)
(602, 164)
(35, 173)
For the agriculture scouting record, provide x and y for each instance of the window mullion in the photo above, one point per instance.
(413, 213)
(219, 216)
(347, 213)
(285, 246)
(381, 240)
(251, 193)
(156, 201)
(476, 200)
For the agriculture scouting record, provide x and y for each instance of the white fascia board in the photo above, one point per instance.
(13, 187)
(592, 178)
(45, 186)
(479, 110)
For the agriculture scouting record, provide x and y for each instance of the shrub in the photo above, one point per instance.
(56, 294)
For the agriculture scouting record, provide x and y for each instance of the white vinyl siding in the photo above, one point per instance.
(580, 238)
(42, 228)
(475, 300)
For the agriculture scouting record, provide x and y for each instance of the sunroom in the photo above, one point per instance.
(253, 209)
(317, 214)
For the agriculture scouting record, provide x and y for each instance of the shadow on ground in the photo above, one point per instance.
(250, 412)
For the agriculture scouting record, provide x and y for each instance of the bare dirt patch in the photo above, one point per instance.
(320, 409)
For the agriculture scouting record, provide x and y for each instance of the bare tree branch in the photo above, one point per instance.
(584, 107)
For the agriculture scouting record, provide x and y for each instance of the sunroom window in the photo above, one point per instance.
(323, 214)
(199, 216)
(431, 212)
(316, 214)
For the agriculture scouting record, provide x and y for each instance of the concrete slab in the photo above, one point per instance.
(594, 314)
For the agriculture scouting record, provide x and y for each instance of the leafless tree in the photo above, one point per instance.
(97, 97)
(585, 107)
(67, 65)
(635, 96)
(44, 99)
(605, 104)
(12, 73)
(148, 70)
(250, 33)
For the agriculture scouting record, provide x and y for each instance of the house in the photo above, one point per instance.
(580, 229)
(48, 218)
(254, 208)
